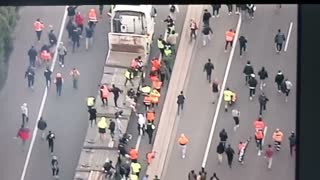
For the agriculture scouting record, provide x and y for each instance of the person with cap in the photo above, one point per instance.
(208, 67)
(180, 101)
(230, 153)
(192, 175)
(263, 74)
(262, 102)
(38, 27)
(42, 125)
(215, 10)
(277, 138)
(74, 73)
(268, 154)
(23, 134)
(220, 151)
(52, 38)
(236, 115)
(59, 82)
(62, 52)
(55, 166)
(279, 39)
(252, 86)
(92, 116)
(193, 29)
(206, 33)
(247, 71)
(25, 113)
(107, 168)
(215, 89)
(116, 93)
(104, 94)
(150, 127)
(229, 36)
(278, 80)
(112, 128)
(141, 124)
(206, 17)
(223, 136)
(32, 53)
(183, 141)
(30, 75)
(102, 126)
(50, 138)
(292, 142)
(286, 86)
(47, 74)
(243, 44)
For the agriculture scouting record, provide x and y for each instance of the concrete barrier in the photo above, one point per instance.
(169, 112)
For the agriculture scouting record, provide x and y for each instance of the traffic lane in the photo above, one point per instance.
(67, 115)
(160, 28)
(196, 120)
(15, 91)
(278, 115)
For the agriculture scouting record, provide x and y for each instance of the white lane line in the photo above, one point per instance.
(221, 94)
(288, 37)
(44, 98)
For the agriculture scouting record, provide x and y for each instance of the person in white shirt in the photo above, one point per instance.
(172, 40)
(173, 10)
(141, 124)
(24, 111)
(288, 86)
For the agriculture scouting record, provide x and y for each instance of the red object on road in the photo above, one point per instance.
(24, 134)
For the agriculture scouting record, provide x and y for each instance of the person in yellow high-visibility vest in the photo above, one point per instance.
(129, 76)
(91, 101)
(155, 97)
(227, 96)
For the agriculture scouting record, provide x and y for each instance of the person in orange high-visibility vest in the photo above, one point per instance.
(153, 76)
(183, 141)
(229, 38)
(157, 84)
(259, 124)
(155, 62)
(92, 15)
(277, 137)
(155, 97)
(259, 137)
(151, 115)
(45, 56)
(38, 27)
(150, 156)
(133, 153)
(104, 93)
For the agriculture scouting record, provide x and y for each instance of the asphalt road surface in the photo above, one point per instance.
(260, 33)
(196, 118)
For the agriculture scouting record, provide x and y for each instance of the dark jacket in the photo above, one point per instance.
(220, 148)
(206, 16)
(42, 125)
(252, 83)
(32, 53)
(92, 113)
(207, 30)
(52, 38)
(263, 99)
(230, 152)
(47, 74)
(112, 126)
(116, 91)
(263, 74)
(181, 99)
(292, 140)
(216, 6)
(279, 78)
(279, 38)
(51, 137)
(223, 136)
(215, 87)
(45, 47)
(29, 73)
(208, 67)
(70, 27)
(58, 81)
(248, 69)
(75, 35)
(243, 41)
(72, 10)
(89, 32)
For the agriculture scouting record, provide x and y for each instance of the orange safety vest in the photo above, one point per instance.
(258, 125)
(133, 154)
(150, 156)
(38, 26)
(104, 92)
(155, 65)
(183, 140)
(259, 135)
(229, 36)
(147, 100)
(150, 116)
(277, 136)
(92, 15)
(154, 78)
(155, 96)
(156, 84)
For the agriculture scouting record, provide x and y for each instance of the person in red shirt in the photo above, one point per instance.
(23, 134)
(259, 124)
(268, 155)
(79, 21)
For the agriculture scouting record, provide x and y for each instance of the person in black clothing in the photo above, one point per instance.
(180, 102)
(230, 8)
(42, 125)
(208, 67)
(52, 38)
(252, 86)
(58, 81)
(92, 116)
(89, 37)
(243, 44)
(279, 40)
(100, 9)
(248, 70)
(214, 177)
(215, 8)
(263, 74)
(50, 139)
(75, 39)
(112, 127)
(169, 22)
(192, 175)
(70, 28)
(30, 74)
(215, 89)
(163, 73)
(71, 12)
(278, 80)
(223, 137)
(107, 166)
(47, 74)
(230, 152)
(262, 102)
(292, 142)
(116, 93)
(55, 167)
(220, 151)
(206, 17)
(206, 31)
(149, 130)
(32, 53)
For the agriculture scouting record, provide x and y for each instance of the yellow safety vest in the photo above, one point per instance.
(227, 95)
(167, 52)
(146, 89)
(160, 44)
(135, 167)
(128, 75)
(133, 177)
(103, 123)
(90, 101)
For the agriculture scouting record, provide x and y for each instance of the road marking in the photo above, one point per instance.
(221, 94)
(288, 37)
(44, 98)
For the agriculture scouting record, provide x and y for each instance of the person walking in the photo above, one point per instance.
(55, 166)
(229, 35)
(104, 94)
(193, 29)
(102, 126)
(183, 141)
(202, 174)
(70, 27)
(214, 177)
(236, 115)
(91, 102)
(206, 33)
(206, 17)
(30, 74)
(180, 101)
(215, 89)
(25, 113)
(116, 93)
(62, 52)
(230, 8)
(150, 127)
(243, 44)
(230, 153)
(42, 125)
(278, 80)
(238, 8)
(173, 9)
(286, 86)
(89, 37)
(223, 137)
(247, 71)
(227, 97)
(58, 81)
(279, 39)
(92, 116)
(215, 10)
(24, 135)
(277, 138)
(161, 43)
(38, 27)
(259, 137)
(269, 155)
(32, 53)
(50, 138)
(172, 40)
(220, 151)
(251, 9)
(52, 38)
(192, 175)
(74, 73)
(292, 142)
(47, 74)
(262, 103)
(208, 67)
(263, 74)
(112, 128)
(259, 124)
(71, 12)
(141, 124)
(79, 22)
(75, 39)
(129, 76)
(252, 86)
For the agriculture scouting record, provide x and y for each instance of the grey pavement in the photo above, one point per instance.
(260, 34)
(195, 120)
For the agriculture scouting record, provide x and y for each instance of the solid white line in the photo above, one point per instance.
(288, 37)
(221, 94)
(264, 134)
(44, 98)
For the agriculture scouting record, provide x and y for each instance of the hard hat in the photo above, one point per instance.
(252, 75)
(59, 75)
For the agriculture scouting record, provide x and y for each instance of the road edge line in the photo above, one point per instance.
(288, 36)
(221, 93)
